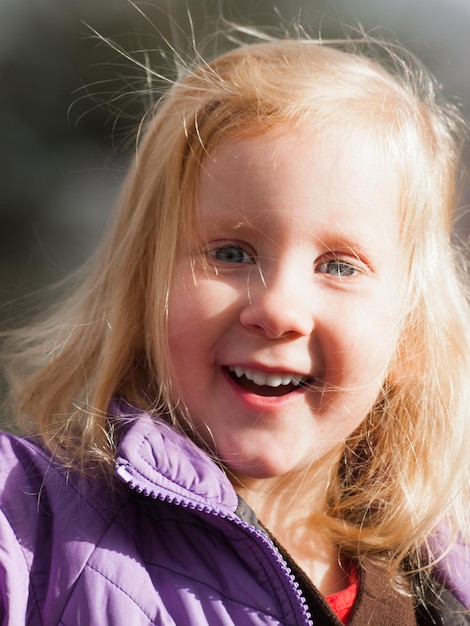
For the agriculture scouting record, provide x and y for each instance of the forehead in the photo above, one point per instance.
(334, 178)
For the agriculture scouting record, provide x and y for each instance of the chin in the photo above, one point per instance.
(263, 468)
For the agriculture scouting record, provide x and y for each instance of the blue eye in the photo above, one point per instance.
(230, 254)
(337, 268)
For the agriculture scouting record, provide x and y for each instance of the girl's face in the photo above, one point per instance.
(283, 313)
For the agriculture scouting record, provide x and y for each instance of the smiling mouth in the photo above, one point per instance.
(268, 383)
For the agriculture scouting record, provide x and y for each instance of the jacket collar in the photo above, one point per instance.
(158, 460)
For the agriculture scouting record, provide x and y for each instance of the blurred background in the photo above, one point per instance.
(69, 105)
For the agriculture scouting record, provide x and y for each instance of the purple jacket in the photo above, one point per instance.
(166, 548)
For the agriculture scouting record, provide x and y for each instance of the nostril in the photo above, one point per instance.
(278, 321)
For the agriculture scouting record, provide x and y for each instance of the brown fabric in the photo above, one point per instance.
(378, 604)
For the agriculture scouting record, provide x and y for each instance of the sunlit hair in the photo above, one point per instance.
(406, 467)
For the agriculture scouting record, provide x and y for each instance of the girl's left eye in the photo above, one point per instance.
(338, 268)
(230, 253)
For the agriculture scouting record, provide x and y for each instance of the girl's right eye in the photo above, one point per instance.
(230, 253)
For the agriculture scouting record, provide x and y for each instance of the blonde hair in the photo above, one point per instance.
(406, 467)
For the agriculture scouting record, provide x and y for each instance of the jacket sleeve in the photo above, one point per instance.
(14, 577)
(19, 536)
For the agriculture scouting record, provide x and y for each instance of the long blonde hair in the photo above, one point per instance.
(406, 467)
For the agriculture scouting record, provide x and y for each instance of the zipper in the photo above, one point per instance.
(142, 485)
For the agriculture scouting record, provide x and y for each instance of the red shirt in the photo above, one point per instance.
(343, 601)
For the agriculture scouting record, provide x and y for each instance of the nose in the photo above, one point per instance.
(278, 305)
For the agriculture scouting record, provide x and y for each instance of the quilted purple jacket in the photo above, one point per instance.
(166, 548)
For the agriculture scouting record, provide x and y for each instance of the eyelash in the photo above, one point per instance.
(216, 254)
(341, 265)
(342, 268)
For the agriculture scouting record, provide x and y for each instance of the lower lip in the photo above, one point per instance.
(264, 402)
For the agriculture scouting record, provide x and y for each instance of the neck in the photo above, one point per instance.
(291, 507)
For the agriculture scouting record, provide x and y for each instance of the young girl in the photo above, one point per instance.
(253, 407)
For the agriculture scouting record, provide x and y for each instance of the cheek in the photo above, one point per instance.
(368, 345)
(185, 308)
(202, 296)
(198, 312)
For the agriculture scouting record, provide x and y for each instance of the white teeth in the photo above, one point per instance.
(238, 371)
(272, 379)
